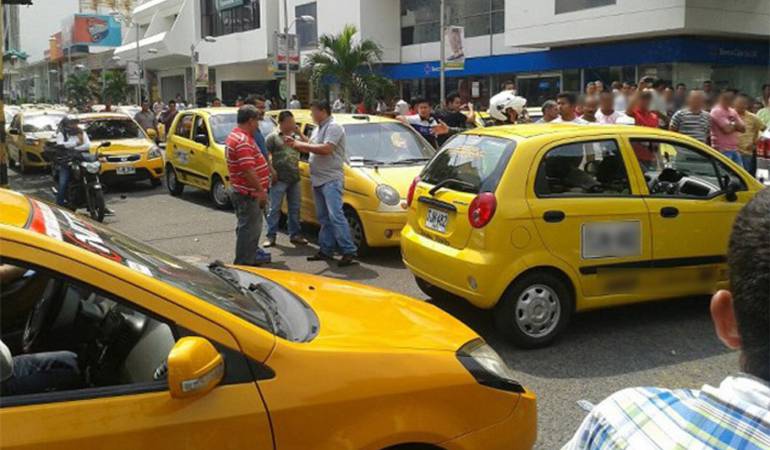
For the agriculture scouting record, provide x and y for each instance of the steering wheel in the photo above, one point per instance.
(42, 315)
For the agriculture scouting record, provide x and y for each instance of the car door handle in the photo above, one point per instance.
(554, 216)
(669, 212)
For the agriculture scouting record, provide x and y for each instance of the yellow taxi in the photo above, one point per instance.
(28, 132)
(383, 157)
(540, 221)
(483, 119)
(153, 352)
(132, 155)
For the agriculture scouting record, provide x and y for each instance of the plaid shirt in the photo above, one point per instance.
(242, 155)
(734, 416)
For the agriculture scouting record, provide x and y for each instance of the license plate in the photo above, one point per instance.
(126, 170)
(437, 220)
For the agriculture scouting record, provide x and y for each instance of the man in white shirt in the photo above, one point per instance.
(70, 137)
(567, 114)
(607, 114)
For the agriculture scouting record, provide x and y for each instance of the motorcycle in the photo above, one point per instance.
(84, 189)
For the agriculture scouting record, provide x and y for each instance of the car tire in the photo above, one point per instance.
(155, 182)
(219, 193)
(175, 187)
(534, 309)
(357, 232)
(433, 292)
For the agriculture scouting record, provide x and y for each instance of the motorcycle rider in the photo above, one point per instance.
(69, 137)
(507, 108)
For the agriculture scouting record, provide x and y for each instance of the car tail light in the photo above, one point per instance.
(482, 209)
(763, 148)
(410, 194)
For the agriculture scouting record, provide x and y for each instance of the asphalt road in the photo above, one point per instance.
(667, 344)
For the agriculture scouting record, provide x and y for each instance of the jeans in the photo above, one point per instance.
(335, 231)
(42, 372)
(293, 198)
(734, 156)
(64, 181)
(249, 228)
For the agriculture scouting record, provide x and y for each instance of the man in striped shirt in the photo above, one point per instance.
(249, 181)
(693, 120)
(734, 415)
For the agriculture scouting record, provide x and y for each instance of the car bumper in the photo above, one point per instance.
(143, 170)
(517, 431)
(35, 157)
(383, 229)
(453, 270)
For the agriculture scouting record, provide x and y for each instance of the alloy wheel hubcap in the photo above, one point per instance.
(220, 194)
(171, 179)
(538, 310)
(355, 230)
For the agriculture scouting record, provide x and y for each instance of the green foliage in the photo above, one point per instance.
(343, 59)
(115, 87)
(79, 88)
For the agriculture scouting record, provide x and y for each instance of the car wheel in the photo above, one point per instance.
(155, 182)
(357, 232)
(433, 292)
(219, 193)
(175, 187)
(534, 310)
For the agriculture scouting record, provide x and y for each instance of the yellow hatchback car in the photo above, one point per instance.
(153, 352)
(133, 156)
(28, 133)
(384, 156)
(540, 221)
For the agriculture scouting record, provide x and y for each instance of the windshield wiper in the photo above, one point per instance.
(270, 304)
(410, 161)
(219, 269)
(448, 181)
(373, 162)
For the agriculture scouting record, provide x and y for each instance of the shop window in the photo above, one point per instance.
(307, 31)
(219, 22)
(566, 6)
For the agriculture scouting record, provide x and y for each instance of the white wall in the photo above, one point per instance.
(474, 47)
(746, 17)
(41, 20)
(248, 46)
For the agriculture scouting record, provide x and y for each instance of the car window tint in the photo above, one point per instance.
(676, 170)
(200, 126)
(184, 126)
(594, 168)
(221, 126)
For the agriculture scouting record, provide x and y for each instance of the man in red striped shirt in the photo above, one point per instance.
(249, 181)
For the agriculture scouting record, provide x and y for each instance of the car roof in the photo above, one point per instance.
(566, 130)
(14, 208)
(102, 115)
(340, 118)
(212, 110)
(41, 112)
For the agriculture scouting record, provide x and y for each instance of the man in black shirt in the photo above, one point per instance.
(453, 116)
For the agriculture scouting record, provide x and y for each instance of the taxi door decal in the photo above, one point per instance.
(611, 239)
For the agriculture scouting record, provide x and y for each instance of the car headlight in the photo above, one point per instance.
(92, 167)
(154, 152)
(388, 195)
(31, 141)
(487, 367)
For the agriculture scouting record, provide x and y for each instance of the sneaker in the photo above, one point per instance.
(298, 240)
(108, 212)
(320, 256)
(270, 242)
(263, 257)
(347, 260)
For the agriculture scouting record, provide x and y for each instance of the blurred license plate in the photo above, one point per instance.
(436, 220)
(126, 170)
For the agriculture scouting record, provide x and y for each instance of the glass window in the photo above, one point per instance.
(184, 126)
(112, 129)
(674, 170)
(565, 6)
(232, 20)
(420, 21)
(473, 163)
(41, 122)
(583, 169)
(200, 126)
(221, 126)
(307, 31)
(386, 143)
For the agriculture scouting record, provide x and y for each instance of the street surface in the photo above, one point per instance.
(667, 344)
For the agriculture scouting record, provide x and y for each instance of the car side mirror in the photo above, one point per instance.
(731, 192)
(202, 139)
(13, 131)
(152, 134)
(195, 367)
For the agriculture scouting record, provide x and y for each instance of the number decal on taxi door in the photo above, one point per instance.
(611, 239)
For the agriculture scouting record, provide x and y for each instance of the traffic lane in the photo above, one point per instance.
(669, 344)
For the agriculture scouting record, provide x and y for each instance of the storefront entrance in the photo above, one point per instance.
(537, 88)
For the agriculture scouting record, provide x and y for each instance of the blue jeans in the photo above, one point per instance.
(335, 231)
(37, 373)
(293, 198)
(734, 156)
(64, 181)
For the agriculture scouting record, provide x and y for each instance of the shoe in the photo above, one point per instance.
(108, 212)
(298, 240)
(347, 260)
(320, 256)
(263, 257)
(270, 242)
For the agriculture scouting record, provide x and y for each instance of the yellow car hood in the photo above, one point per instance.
(123, 146)
(353, 315)
(399, 177)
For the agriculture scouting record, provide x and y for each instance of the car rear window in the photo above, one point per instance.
(476, 162)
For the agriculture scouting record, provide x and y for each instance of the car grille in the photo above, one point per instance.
(123, 158)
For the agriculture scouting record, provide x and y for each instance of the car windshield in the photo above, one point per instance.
(222, 125)
(385, 143)
(112, 129)
(41, 122)
(473, 163)
(272, 308)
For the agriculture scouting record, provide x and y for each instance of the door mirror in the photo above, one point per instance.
(202, 139)
(194, 367)
(152, 134)
(13, 131)
(731, 191)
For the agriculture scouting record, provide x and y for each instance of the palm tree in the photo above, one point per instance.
(350, 63)
(79, 88)
(115, 86)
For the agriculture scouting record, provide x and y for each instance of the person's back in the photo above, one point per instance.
(734, 415)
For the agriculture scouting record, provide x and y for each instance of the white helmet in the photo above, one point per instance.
(502, 102)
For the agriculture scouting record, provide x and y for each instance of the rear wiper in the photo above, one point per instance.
(448, 181)
(410, 161)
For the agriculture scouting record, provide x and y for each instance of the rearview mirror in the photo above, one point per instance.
(194, 367)
(13, 131)
(202, 139)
